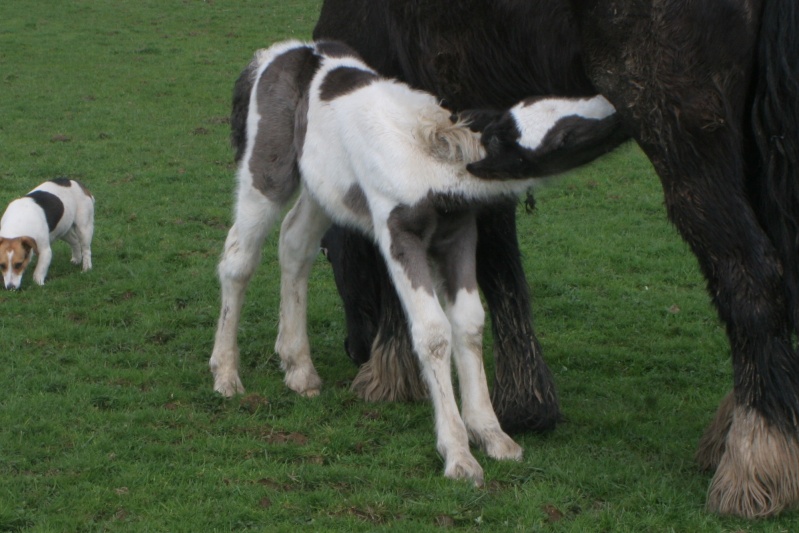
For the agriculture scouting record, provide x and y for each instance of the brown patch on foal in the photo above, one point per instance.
(758, 474)
(281, 99)
(342, 81)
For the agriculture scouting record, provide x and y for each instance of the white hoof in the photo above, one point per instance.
(464, 466)
(304, 381)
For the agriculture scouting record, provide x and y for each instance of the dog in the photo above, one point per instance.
(56, 209)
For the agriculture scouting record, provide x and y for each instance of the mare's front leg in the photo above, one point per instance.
(300, 236)
(254, 216)
(402, 241)
(455, 254)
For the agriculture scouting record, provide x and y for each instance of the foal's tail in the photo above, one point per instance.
(448, 141)
(775, 128)
(241, 108)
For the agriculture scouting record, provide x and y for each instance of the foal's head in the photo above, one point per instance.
(544, 136)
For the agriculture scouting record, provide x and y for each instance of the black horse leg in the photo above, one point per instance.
(681, 84)
(377, 331)
(524, 395)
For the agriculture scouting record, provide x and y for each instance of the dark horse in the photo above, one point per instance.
(710, 91)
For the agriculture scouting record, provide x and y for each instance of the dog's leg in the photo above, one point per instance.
(255, 215)
(431, 336)
(300, 236)
(71, 238)
(43, 264)
(85, 232)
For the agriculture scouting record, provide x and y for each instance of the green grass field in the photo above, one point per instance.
(107, 417)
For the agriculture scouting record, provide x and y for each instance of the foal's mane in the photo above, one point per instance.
(445, 140)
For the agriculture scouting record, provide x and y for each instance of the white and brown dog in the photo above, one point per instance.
(57, 209)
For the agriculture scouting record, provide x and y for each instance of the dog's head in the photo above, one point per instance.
(15, 256)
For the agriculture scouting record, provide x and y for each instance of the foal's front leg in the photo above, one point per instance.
(300, 236)
(431, 335)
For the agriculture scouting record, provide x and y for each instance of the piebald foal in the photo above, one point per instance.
(378, 156)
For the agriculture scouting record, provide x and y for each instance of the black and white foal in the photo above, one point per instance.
(375, 155)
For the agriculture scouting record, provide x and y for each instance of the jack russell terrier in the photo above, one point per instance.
(56, 209)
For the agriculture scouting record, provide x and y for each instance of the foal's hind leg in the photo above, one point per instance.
(431, 335)
(300, 235)
(255, 215)
(467, 317)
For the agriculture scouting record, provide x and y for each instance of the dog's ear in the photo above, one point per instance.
(29, 244)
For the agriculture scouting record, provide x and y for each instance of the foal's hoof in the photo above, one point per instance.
(305, 382)
(503, 447)
(465, 467)
(229, 386)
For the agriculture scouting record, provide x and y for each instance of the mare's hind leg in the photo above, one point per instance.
(686, 116)
(300, 236)
(254, 217)
(456, 257)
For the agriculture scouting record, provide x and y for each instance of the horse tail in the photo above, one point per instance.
(272, 95)
(775, 129)
(446, 140)
(241, 108)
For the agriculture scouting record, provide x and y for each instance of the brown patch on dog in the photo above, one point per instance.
(20, 249)
(711, 445)
(758, 475)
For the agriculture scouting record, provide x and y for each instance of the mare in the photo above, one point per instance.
(710, 91)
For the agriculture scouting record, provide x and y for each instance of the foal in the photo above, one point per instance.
(375, 155)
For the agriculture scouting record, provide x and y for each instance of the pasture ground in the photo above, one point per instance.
(107, 418)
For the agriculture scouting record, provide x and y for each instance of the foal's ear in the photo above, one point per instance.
(477, 119)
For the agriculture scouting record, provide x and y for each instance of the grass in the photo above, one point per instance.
(107, 419)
